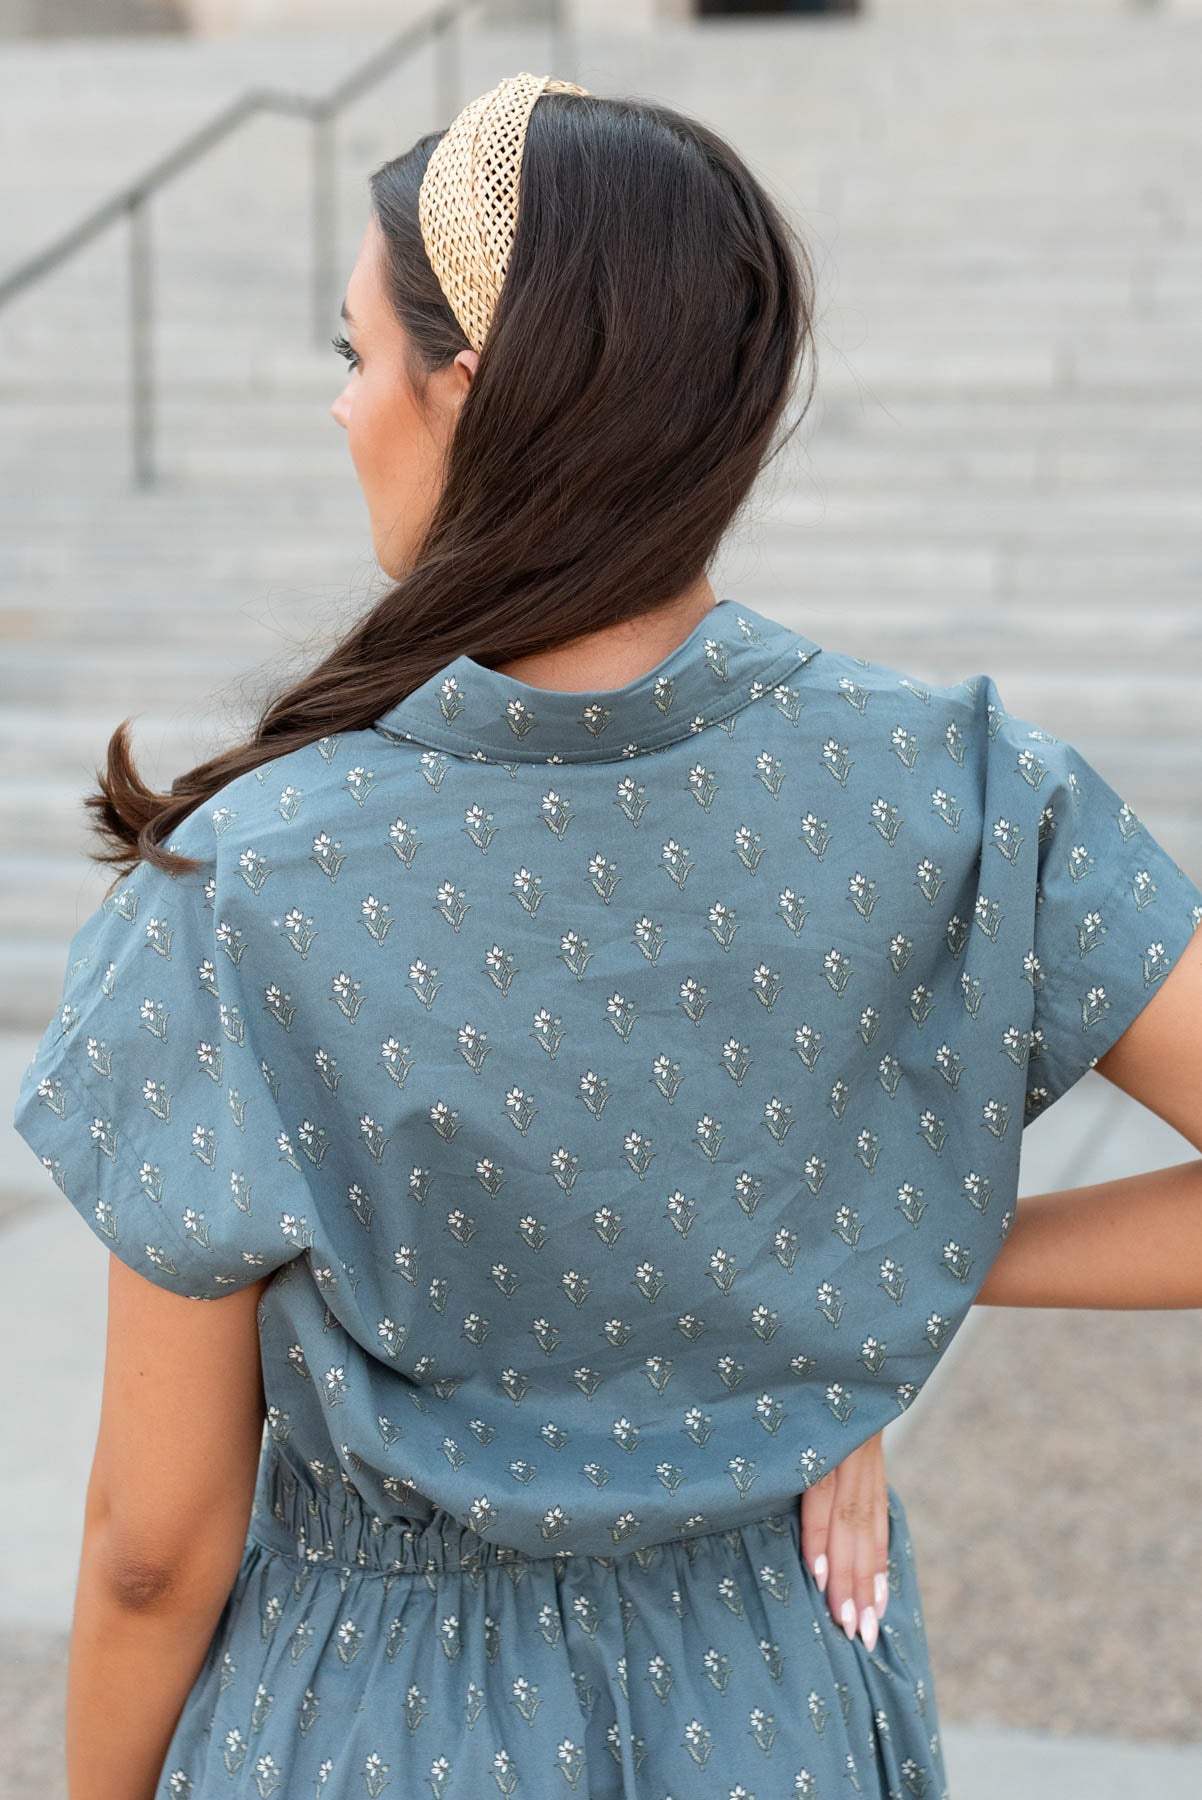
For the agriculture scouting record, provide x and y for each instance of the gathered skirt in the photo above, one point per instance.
(358, 1657)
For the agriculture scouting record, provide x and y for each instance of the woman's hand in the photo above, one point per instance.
(845, 1539)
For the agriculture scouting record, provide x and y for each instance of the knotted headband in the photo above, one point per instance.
(468, 200)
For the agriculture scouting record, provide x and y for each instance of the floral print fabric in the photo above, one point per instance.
(624, 1092)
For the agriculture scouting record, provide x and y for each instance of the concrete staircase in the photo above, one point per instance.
(1000, 472)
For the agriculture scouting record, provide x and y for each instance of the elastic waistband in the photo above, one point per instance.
(294, 1517)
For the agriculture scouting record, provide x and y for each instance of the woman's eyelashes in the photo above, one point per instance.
(344, 349)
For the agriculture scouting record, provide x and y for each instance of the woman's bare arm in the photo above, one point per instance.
(167, 1509)
(1137, 1242)
(1116, 1245)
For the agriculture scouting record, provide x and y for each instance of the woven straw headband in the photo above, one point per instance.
(468, 201)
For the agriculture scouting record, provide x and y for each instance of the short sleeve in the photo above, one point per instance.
(146, 1099)
(1112, 909)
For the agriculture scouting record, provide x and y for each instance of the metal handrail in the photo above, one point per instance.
(131, 200)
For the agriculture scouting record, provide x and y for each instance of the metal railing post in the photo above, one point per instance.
(447, 82)
(140, 342)
(325, 224)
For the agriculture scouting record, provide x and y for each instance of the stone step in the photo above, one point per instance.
(926, 420)
(64, 682)
(900, 466)
(1093, 588)
(947, 351)
(192, 431)
(827, 458)
(911, 269)
(794, 496)
(51, 755)
(971, 594)
(891, 440)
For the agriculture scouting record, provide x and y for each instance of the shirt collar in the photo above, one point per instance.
(730, 657)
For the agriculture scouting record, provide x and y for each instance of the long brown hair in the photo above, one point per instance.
(650, 333)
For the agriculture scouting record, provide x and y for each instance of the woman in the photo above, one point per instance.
(582, 1042)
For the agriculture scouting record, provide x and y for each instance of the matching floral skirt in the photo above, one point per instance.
(357, 1657)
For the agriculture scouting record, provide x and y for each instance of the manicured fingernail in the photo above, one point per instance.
(880, 1593)
(868, 1627)
(848, 1615)
(820, 1573)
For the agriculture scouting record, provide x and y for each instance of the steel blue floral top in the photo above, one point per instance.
(628, 1086)
(624, 1093)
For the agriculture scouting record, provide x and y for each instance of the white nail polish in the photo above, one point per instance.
(820, 1572)
(880, 1593)
(868, 1627)
(847, 1613)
